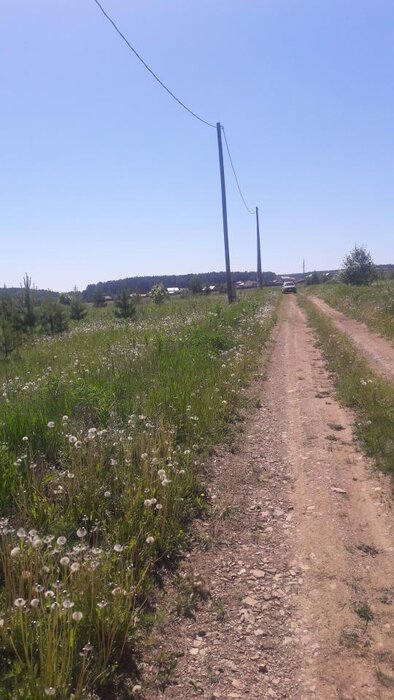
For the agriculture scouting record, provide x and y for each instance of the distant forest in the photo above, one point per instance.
(142, 285)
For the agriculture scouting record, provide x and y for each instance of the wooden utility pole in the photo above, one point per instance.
(259, 276)
(230, 290)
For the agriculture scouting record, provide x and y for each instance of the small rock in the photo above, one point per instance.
(337, 490)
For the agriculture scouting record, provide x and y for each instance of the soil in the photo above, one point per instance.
(378, 351)
(287, 591)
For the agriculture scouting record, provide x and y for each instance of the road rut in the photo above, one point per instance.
(295, 566)
(378, 351)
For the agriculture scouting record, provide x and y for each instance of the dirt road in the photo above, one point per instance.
(378, 351)
(289, 587)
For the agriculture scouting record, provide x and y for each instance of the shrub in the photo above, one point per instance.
(358, 267)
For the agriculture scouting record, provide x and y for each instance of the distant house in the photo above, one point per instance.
(108, 297)
(173, 290)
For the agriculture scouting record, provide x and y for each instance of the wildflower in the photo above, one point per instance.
(165, 482)
(34, 602)
(161, 474)
(113, 462)
(159, 506)
(25, 438)
(81, 532)
(51, 424)
(65, 419)
(148, 503)
(38, 588)
(77, 616)
(102, 604)
(74, 567)
(19, 602)
(72, 439)
(107, 494)
(64, 561)
(118, 548)
(37, 542)
(55, 606)
(33, 533)
(87, 649)
(150, 539)
(78, 444)
(15, 552)
(50, 691)
(67, 604)
(61, 541)
(49, 594)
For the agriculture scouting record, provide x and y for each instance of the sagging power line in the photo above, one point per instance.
(219, 128)
(111, 21)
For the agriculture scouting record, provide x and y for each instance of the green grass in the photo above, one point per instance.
(102, 434)
(370, 396)
(372, 305)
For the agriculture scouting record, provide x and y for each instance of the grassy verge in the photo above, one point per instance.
(372, 305)
(102, 434)
(371, 397)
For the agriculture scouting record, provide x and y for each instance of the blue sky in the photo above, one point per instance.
(104, 176)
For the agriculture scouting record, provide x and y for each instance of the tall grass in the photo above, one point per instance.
(359, 388)
(372, 305)
(102, 433)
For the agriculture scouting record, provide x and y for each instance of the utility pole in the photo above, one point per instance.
(230, 290)
(303, 267)
(259, 277)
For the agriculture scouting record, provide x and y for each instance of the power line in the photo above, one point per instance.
(149, 69)
(235, 174)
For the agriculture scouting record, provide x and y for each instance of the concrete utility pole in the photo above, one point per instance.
(259, 277)
(303, 267)
(230, 289)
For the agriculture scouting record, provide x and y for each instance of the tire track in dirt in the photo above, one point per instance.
(301, 535)
(378, 351)
(342, 516)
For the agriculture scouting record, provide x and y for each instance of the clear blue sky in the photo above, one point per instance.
(104, 176)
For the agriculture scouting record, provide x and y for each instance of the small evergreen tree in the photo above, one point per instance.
(158, 293)
(10, 338)
(28, 304)
(53, 318)
(65, 299)
(98, 298)
(358, 267)
(78, 309)
(124, 305)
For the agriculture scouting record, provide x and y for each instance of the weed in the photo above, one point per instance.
(368, 549)
(335, 426)
(220, 609)
(364, 612)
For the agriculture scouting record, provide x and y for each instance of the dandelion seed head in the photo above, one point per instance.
(74, 567)
(150, 539)
(107, 494)
(15, 552)
(49, 594)
(19, 602)
(67, 604)
(61, 541)
(51, 424)
(64, 561)
(50, 691)
(118, 548)
(77, 616)
(25, 438)
(34, 602)
(81, 532)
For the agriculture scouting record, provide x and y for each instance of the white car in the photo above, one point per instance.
(288, 287)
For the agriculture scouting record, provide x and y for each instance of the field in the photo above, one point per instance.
(103, 433)
(372, 305)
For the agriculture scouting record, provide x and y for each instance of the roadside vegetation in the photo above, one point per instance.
(370, 396)
(103, 431)
(372, 305)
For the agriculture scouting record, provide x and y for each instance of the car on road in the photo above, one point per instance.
(288, 288)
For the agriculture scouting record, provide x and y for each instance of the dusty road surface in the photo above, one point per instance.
(378, 351)
(288, 590)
